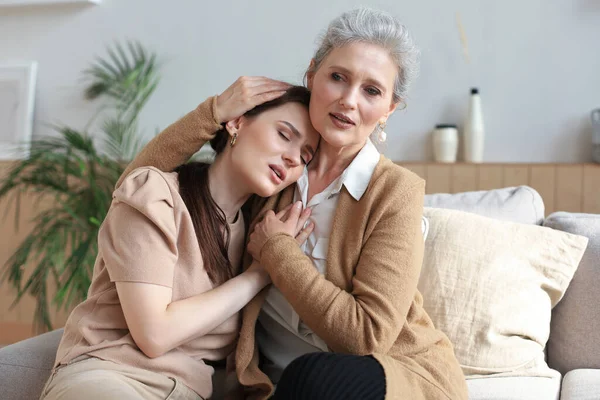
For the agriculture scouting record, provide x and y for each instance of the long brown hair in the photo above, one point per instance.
(208, 218)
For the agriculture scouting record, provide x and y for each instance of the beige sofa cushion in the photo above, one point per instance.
(490, 286)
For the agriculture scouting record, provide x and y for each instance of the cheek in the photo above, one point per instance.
(372, 113)
(315, 112)
(262, 145)
(321, 98)
(294, 175)
(252, 140)
(325, 91)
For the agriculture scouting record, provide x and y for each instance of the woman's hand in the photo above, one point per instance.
(246, 93)
(289, 221)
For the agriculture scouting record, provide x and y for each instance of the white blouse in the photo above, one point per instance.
(281, 334)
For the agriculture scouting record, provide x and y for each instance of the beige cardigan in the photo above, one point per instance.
(368, 302)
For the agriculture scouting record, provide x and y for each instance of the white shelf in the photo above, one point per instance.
(14, 3)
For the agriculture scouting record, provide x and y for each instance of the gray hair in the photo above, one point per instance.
(375, 27)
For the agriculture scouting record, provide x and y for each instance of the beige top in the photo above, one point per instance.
(148, 237)
(367, 301)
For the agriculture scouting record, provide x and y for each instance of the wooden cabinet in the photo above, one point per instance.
(564, 187)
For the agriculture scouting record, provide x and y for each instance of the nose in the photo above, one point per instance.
(349, 98)
(292, 157)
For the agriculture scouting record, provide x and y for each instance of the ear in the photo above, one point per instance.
(310, 74)
(234, 125)
(391, 110)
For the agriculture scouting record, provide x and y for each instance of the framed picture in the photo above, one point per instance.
(17, 91)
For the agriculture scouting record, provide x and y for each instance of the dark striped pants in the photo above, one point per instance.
(331, 376)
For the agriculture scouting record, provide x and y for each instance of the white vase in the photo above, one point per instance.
(474, 133)
(445, 143)
(596, 135)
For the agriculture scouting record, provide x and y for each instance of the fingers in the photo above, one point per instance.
(255, 81)
(254, 86)
(268, 87)
(294, 215)
(283, 212)
(305, 233)
(304, 216)
(246, 93)
(269, 214)
(259, 89)
(264, 97)
(266, 92)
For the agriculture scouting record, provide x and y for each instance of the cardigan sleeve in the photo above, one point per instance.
(179, 141)
(368, 318)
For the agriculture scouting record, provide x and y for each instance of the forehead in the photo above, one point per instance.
(297, 115)
(365, 59)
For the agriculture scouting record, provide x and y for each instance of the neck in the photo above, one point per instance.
(226, 188)
(332, 161)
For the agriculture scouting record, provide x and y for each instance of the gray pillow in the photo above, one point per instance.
(575, 327)
(516, 204)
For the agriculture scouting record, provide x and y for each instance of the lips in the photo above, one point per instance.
(342, 118)
(279, 172)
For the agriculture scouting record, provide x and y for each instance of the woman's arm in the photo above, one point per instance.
(383, 287)
(158, 325)
(138, 243)
(178, 142)
(182, 139)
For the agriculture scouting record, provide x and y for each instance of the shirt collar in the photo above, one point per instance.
(302, 186)
(358, 174)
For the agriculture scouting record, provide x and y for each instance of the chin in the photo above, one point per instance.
(265, 193)
(265, 189)
(335, 138)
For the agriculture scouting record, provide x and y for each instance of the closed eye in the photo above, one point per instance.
(305, 160)
(287, 139)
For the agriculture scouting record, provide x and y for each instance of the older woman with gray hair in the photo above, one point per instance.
(344, 318)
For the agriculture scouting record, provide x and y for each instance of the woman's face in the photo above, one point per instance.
(351, 92)
(273, 148)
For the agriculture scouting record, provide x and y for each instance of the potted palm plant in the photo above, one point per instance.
(76, 179)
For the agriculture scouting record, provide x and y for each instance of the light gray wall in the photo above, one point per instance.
(537, 63)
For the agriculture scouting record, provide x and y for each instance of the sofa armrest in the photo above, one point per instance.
(581, 384)
(514, 388)
(25, 366)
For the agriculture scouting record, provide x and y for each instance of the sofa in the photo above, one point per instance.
(571, 349)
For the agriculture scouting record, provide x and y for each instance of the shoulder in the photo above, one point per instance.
(390, 178)
(147, 186)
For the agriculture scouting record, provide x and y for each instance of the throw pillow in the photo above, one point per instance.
(490, 285)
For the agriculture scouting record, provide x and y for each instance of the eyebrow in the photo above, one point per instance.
(373, 81)
(292, 128)
(299, 135)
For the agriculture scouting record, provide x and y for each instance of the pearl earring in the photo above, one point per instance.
(381, 135)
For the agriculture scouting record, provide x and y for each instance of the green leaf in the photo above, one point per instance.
(69, 171)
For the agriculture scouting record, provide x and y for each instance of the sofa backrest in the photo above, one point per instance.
(575, 328)
(517, 204)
